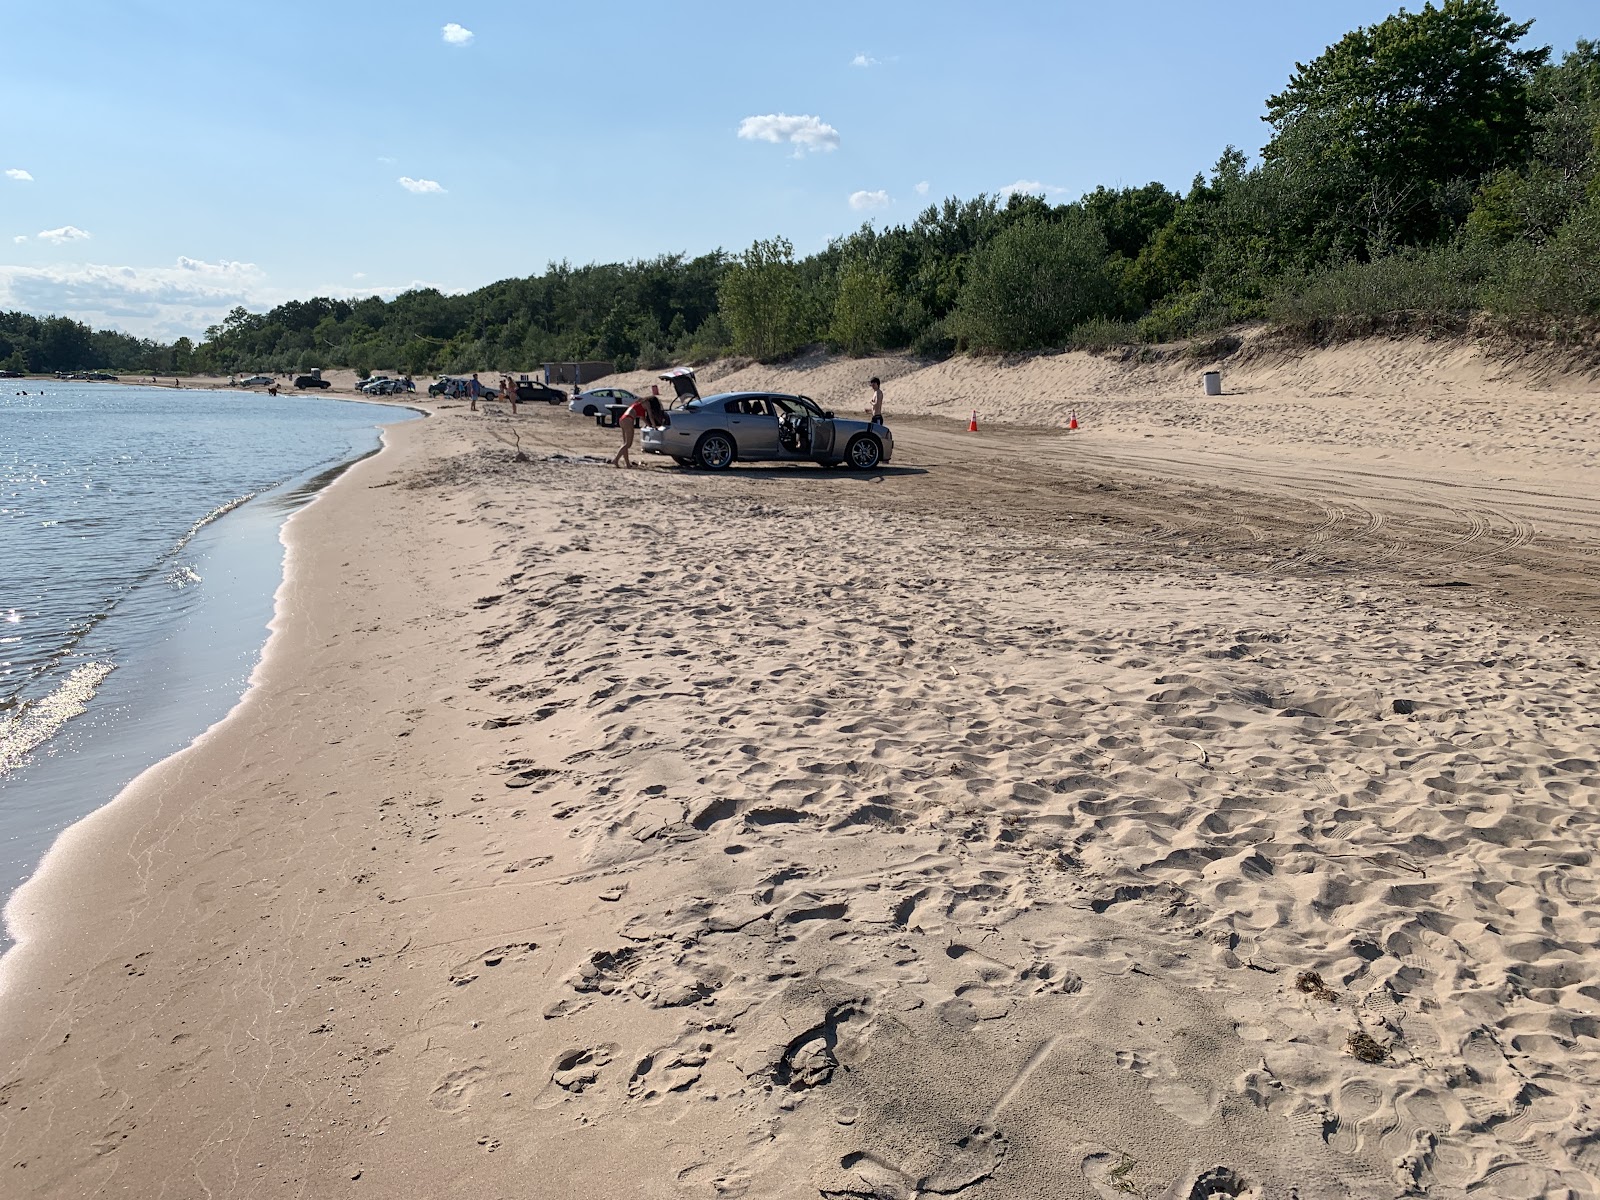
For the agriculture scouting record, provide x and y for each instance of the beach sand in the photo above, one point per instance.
(1204, 803)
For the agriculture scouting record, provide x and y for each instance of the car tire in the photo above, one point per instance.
(589, 410)
(864, 452)
(715, 451)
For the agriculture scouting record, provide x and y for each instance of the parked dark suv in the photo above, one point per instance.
(310, 381)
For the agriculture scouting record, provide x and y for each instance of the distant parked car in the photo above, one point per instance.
(384, 387)
(311, 381)
(529, 392)
(598, 400)
(716, 431)
(256, 381)
(460, 389)
(10, 374)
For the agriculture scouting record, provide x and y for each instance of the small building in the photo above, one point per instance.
(581, 373)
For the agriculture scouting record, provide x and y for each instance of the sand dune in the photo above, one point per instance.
(791, 833)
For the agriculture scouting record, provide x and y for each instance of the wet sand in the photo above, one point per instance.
(1204, 813)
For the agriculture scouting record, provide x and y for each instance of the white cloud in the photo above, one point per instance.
(20, 238)
(863, 60)
(1030, 187)
(866, 201)
(19, 175)
(457, 35)
(163, 302)
(419, 185)
(67, 233)
(922, 188)
(386, 160)
(808, 133)
(359, 275)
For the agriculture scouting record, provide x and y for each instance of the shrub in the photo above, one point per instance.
(1560, 278)
(1099, 335)
(1032, 285)
(1442, 279)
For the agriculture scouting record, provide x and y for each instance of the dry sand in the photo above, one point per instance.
(1044, 816)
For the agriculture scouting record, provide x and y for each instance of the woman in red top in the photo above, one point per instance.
(627, 422)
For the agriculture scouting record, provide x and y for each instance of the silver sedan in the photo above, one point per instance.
(713, 432)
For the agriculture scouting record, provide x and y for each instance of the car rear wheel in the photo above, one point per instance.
(864, 452)
(589, 410)
(714, 451)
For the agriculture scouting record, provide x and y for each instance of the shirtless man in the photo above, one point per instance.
(876, 411)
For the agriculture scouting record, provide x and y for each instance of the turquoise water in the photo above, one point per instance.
(139, 554)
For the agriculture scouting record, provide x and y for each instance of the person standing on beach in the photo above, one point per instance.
(631, 416)
(876, 417)
(474, 389)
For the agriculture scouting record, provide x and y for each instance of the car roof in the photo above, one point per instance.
(733, 395)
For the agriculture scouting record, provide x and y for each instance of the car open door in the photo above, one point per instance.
(821, 428)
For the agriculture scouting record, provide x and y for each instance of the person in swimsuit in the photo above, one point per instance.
(876, 411)
(627, 422)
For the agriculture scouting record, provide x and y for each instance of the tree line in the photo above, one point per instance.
(1432, 165)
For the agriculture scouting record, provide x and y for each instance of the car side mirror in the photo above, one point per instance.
(829, 415)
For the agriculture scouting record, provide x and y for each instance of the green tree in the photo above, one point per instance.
(1032, 284)
(760, 301)
(864, 309)
(1529, 202)
(1382, 127)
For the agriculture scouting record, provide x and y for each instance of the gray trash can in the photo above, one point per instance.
(1213, 383)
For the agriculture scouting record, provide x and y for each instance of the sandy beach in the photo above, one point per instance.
(1202, 803)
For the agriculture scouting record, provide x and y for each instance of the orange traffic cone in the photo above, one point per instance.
(1073, 424)
(972, 425)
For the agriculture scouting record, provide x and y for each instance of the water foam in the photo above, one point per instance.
(37, 721)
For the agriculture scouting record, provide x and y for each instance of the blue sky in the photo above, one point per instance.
(163, 160)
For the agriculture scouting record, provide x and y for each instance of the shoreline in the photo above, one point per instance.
(319, 485)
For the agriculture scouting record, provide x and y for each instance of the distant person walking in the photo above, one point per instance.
(876, 411)
(474, 389)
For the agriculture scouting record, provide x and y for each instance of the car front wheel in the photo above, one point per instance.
(864, 452)
(714, 451)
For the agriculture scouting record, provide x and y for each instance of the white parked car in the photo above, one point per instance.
(596, 400)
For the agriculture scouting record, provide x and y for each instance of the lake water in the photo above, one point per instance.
(139, 555)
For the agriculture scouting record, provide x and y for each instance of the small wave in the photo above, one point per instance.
(37, 721)
(220, 511)
(182, 576)
(88, 626)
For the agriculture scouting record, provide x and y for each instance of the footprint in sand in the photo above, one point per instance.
(574, 1073)
(454, 1092)
(1193, 1103)
(675, 1068)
